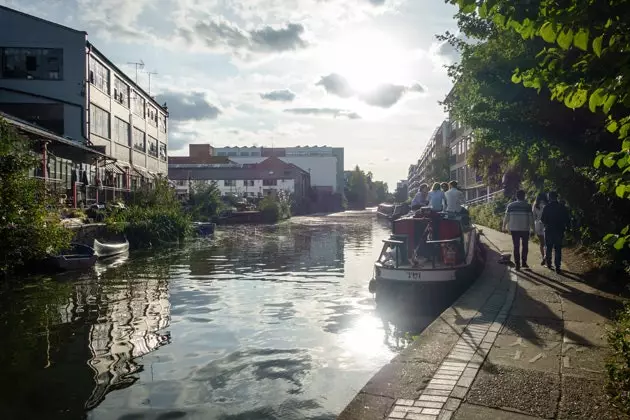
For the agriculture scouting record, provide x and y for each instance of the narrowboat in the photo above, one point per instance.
(110, 249)
(392, 211)
(435, 252)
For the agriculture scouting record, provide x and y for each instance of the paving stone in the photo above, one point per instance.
(367, 407)
(413, 416)
(433, 398)
(585, 307)
(585, 333)
(532, 392)
(428, 404)
(452, 404)
(432, 411)
(446, 415)
(531, 308)
(587, 362)
(586, 399)
(534, 328)
(401, 380)
(477, 412)
(431, 350)
(404, 402)
(459, 392)
(509, 350)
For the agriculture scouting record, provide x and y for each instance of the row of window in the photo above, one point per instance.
(100, 125)
(255, 154)
(99, 76)
(32, 63)
(461, 147)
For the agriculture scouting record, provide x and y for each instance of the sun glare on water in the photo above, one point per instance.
(368, 59)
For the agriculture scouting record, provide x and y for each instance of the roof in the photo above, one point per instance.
(8, 9)
(35, 130)
(103, 57)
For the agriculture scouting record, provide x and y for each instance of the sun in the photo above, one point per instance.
(369, 58)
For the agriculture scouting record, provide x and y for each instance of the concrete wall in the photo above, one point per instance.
(19, 30)
(126, 153)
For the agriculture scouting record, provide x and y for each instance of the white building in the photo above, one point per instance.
(325, 164)
(53, 77)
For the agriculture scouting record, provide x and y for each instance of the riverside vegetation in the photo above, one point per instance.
(545, 86)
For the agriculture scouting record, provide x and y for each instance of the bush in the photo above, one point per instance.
(489, 214)
(204, 202)
(618, 365)
(29, 221)
(155, 217)
(274, 208)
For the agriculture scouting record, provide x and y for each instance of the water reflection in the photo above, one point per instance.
(262, 323)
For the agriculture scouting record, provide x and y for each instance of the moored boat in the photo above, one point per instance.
(109, 249)
(436, 253)
(204, 228)
(78, 257)
(385, 210)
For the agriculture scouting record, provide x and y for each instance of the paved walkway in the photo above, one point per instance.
(517, 345)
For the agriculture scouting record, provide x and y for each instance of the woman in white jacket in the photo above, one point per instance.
(539, 228)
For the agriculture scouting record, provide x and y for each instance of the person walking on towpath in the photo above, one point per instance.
(555, 217)
(519, 220)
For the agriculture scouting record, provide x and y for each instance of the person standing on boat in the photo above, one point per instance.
(556, 219)
(421, 198)
(437, 199)
(519, 220)
(539, 228)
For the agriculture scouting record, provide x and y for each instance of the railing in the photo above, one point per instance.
(484, 199)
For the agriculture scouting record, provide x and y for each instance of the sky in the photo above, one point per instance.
(365, 75)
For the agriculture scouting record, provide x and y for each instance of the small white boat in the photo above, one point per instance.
(103, 250)
(436, 253)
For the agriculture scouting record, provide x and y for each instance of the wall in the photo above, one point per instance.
(18, 30)
(126, 153)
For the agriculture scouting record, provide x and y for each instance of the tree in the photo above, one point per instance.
(29, 224)
(440, 167)
(357, 192)
(204, 201)
(380, 191)
(402, 193)
(583, 61)
(518, 129)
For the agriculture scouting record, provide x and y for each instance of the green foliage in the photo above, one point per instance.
(204, 202)
(618, 365)
(402, 194)
(154, 217)
(440, 167)
(357, 189)
(275, 208)
(489, 214)
(29, 224)
(592, 65)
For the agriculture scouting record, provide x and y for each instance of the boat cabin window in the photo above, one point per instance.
(392, 254)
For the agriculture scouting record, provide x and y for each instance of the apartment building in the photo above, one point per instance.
(52, 77)
(419, 173)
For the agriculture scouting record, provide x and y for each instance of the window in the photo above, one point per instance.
(162, 123)
(99, 121)
(244, 154)
(287, 173)
(181, 182)
(32, 63)
(153, 146)
(121, 92)
(99, 75)
(229, 183)
(453, 150)
(152, 115)
(269, 182)
(137, 104)
(231, 154)
(248, 183)
(163, 152)
(138, 140)
(121, 131)
(221, 154)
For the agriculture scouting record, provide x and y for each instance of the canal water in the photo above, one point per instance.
(272, 322)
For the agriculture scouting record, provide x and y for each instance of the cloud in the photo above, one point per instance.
(337, 85)
(377, 2)
(384, 95)
(220, 35)
(282, 95)
(333, 112)
(186, 106)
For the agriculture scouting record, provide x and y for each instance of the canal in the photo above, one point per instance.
(272, 322)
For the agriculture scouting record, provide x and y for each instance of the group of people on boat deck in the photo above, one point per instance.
(547, 218)
(442, 197)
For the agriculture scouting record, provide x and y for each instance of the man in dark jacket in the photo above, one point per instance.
(555, 217)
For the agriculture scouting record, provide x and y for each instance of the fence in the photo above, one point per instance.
(485, 199)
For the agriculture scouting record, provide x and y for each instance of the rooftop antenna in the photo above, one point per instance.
(139, 66)
(149, 73)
